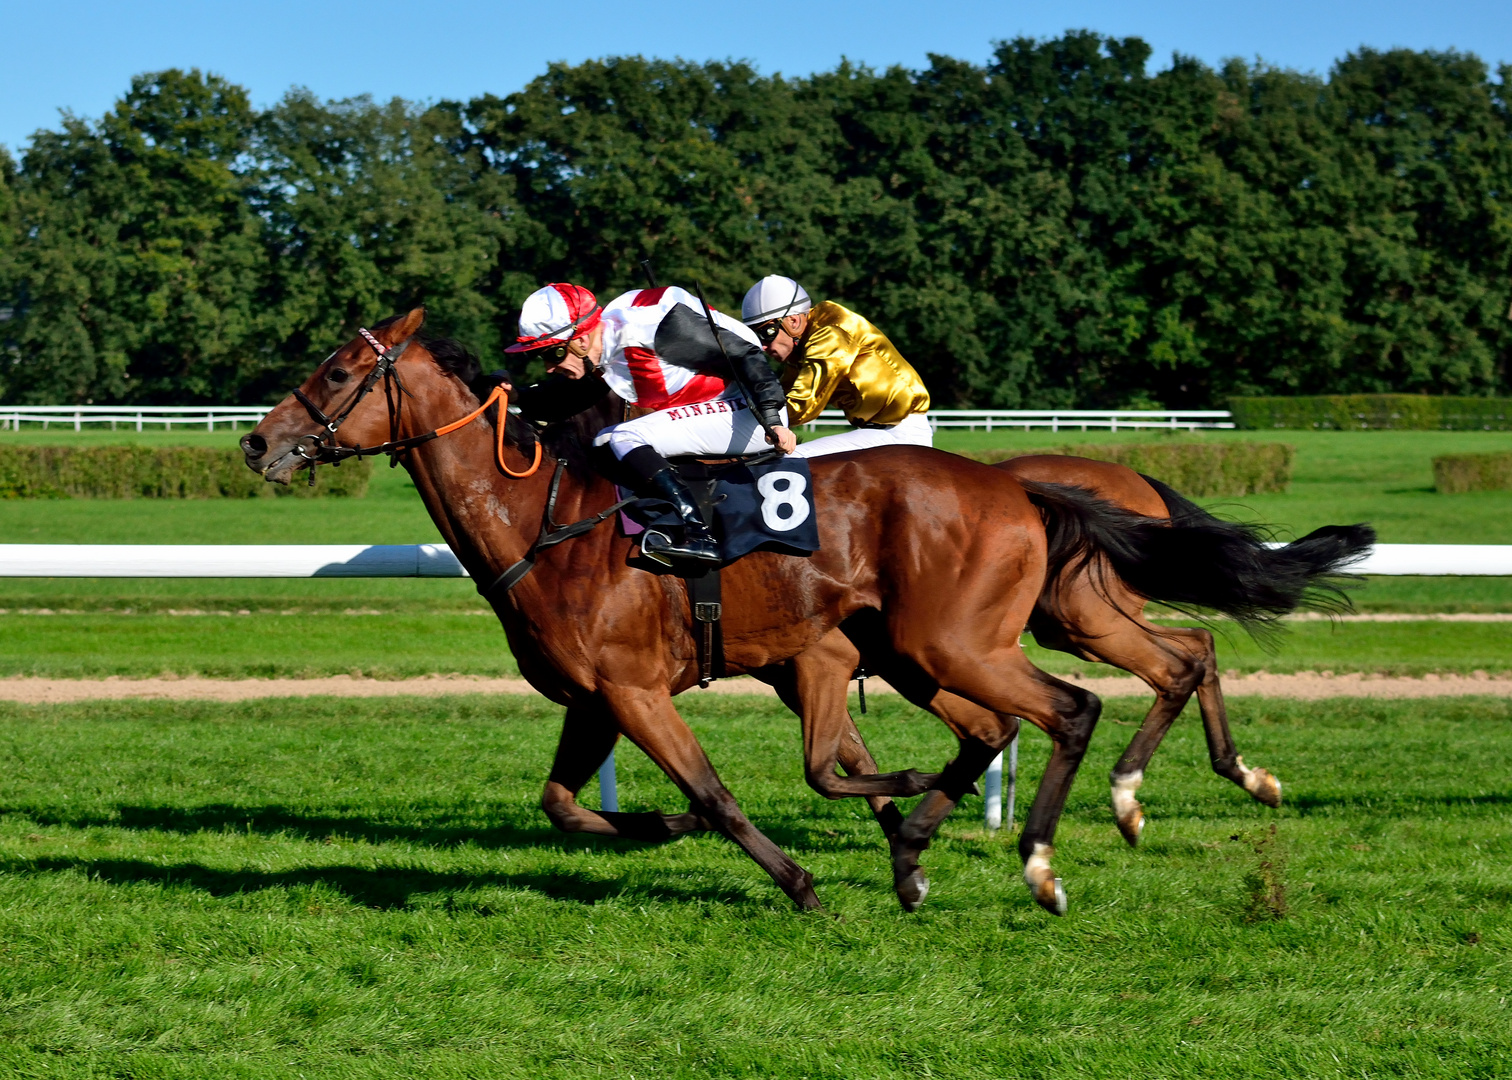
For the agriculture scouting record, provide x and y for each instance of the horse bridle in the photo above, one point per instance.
(317, 449)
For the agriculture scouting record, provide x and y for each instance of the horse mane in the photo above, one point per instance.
(569, 441)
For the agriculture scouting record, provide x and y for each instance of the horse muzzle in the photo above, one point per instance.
(276, 468)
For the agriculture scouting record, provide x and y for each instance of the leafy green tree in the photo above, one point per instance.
(140, 269)
(371, 209)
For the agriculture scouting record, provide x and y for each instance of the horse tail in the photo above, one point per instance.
(1195, 560)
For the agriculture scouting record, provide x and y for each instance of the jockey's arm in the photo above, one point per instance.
(827, 355)
(558, 396)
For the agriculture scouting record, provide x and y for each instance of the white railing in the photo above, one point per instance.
(138, 416)
(1059, 419)
(437, 560)
(230, 416)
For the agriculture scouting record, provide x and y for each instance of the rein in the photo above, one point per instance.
(321, 451)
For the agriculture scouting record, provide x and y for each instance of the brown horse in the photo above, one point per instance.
(1089, 612)
(939, 558)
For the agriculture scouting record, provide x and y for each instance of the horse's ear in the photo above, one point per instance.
(407, 327)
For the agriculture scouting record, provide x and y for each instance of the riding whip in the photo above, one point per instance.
(750, 397)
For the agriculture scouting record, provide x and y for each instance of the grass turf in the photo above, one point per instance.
(367, 889)
(403, 645)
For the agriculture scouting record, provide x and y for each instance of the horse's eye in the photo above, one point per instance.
(339, 375)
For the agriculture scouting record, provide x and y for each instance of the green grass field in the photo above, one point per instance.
(317, 888)
(404, 645)
(1384, 477)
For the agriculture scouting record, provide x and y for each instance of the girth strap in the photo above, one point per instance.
(704, 598)
(551, 534)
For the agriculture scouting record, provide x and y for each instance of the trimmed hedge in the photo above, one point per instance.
(1373, 412)
(1456, 473)
(156, 472)
(1199, 470)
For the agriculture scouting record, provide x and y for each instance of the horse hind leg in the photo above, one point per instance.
(588, 734)
(1261, 784)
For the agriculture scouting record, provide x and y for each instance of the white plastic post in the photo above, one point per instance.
(1000, 802)
(992, 789)
(1012, 781)
(608, 789)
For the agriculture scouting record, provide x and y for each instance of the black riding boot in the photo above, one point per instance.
(698, 543)
(659, 480)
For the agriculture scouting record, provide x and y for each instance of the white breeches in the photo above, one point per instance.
(714, 429)
(914, 430)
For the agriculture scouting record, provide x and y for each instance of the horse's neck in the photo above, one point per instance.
(489, 520)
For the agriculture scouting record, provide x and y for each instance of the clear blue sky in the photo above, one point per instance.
(81, 54)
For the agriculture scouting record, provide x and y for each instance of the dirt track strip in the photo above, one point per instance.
(1305, 686)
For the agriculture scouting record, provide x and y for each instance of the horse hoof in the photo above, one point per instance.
(1262, 786)
(912, 889)
(1051, 896)
(1044, 886)
(1132, 827)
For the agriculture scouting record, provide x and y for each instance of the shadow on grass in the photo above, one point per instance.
(383, 888)
(792, 834)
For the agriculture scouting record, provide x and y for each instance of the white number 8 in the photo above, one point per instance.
(773, 498)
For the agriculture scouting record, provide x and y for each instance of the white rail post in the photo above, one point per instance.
(608, 789)
(78, 421)
(992, 793)
(1000, 803)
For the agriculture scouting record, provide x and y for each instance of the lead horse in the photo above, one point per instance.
(614, 644)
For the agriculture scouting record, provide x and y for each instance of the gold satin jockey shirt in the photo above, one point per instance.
(845, 362)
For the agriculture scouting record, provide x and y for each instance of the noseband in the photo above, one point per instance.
(322, 448)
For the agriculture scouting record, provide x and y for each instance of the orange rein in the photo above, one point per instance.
(502, 397)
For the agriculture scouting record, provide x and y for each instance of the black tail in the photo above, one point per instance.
(1197, 560)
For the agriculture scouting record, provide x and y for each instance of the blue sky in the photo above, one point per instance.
(81, 54)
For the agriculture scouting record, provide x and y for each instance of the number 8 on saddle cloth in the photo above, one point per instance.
(768, 505)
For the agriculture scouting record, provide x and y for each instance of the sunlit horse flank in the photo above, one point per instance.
(613, 644)
(1089, 612)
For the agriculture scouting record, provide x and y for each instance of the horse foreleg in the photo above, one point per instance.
(588, 734)
(1164, 661)
(647, 717)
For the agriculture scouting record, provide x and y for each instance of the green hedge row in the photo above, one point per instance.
(1455, 473)
(1361, 412)
(156, 472)
(1199, 470)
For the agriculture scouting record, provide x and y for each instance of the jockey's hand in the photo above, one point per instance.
(787, 442)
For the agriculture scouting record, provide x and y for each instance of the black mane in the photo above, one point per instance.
(457, 360)
(569, 441)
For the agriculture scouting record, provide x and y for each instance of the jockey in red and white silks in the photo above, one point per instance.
(700, 408)
(655, 349)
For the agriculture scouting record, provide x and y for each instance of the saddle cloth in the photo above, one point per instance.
(768, 506)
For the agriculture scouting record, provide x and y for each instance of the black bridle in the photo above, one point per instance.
(324, 450)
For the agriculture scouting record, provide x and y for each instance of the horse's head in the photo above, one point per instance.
(348, 401)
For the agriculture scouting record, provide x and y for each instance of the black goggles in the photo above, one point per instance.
(767, 332)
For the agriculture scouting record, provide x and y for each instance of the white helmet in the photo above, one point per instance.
(773, 297)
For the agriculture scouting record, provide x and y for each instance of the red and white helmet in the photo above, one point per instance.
(555, 314)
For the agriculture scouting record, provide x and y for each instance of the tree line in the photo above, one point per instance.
(1057, 227)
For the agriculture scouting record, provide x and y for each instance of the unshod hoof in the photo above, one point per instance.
(1132, 827)
(1262, 785)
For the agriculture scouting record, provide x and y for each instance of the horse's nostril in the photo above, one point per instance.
(254, 445)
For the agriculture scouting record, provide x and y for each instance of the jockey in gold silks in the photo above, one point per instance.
(833, 357)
